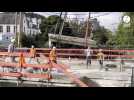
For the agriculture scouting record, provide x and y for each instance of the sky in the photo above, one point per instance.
(109, 20)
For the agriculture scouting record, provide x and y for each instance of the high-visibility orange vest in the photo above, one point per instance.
(33, 52)
(21, 60)
(100, 56)
(52, 55)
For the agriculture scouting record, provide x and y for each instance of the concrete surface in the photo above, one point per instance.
(111, 78)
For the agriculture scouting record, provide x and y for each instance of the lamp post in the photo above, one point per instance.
(19, 30)
(87, 30)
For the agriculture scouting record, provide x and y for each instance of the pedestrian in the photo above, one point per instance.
(100, 57)
(88, 56)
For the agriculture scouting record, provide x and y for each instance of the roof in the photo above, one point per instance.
(6, 18)
(9, 17)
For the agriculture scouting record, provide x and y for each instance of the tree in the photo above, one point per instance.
(101, 36)
(125, 35)
(111, 41)
(131, 14)
(27, 40)
(48, 26)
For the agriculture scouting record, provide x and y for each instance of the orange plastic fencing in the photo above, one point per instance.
(27, 75)
(64, 68)
(28, 55)
(23, 65)
(67, 52)
(43, 66)
(73, 77)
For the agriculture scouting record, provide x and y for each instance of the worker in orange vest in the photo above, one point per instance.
(53, 55)
(21, 61)
(32, 53)
(52, 58)
(100, 57)
(33, 56)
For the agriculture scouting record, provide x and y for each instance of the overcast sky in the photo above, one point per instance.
(108, 19)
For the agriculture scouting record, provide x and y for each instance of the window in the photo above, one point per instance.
(1, 28)
(30, 32)
(8, 28)
(24, 29)
(14, 29)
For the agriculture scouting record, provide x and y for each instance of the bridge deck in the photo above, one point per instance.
(71, 40)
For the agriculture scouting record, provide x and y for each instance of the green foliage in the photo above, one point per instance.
(23, 40)
(47, 26)
(124, 37)
(101, 36)
(27, 40)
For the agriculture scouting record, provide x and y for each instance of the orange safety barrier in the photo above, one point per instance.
(27, 75)
(5, 64)
(30, 75)
(43, 66)
(10, 74)
(14, 54)
(28, 55)
(70, 75)
(68, 55)
(22, 64)
(47, 49)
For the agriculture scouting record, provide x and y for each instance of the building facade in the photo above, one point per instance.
(10, 24)
(95, 24)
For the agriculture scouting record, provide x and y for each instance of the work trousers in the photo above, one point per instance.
(88, 60)
(101, 63)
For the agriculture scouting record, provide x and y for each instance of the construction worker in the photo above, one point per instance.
(53, 55)
(11, 48)
(122, 63)
(33, 56)
(32, 53)
(52, 58)
(21, 60)
(100, 57)
(88, 56)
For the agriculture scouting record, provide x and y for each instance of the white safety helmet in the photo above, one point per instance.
(32, 46)
(12, 40)
(54, 48)
(88, 47)
(100, 50)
